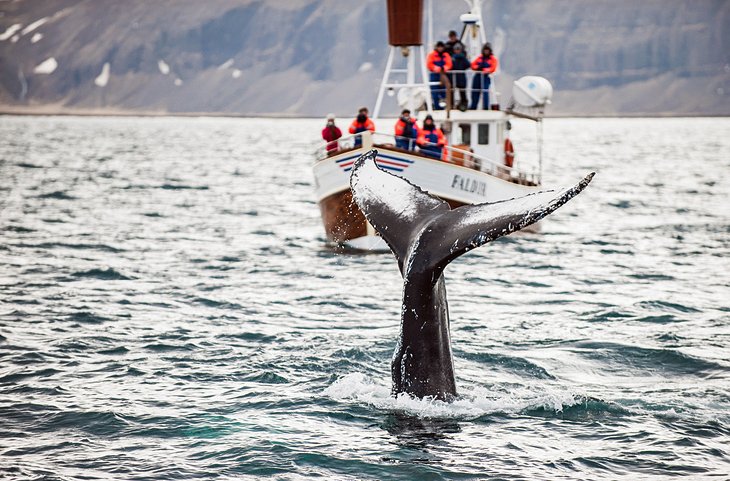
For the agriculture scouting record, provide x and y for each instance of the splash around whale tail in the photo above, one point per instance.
(424, 233)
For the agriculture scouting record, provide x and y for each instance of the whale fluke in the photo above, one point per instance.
(425, 235)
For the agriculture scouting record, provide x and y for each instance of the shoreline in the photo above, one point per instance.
(45, 111)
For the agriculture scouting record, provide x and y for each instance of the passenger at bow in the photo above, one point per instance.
(361, 124)
(431, 139)
(484, 65)
(406, 131)
(438, 62)
(331, 133)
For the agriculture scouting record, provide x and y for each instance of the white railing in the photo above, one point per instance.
(468, 89)
(449, 154)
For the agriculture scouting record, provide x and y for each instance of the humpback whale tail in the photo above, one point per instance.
(425, 234)
(422, 230)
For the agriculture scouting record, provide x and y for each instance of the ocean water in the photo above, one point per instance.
(169, 310)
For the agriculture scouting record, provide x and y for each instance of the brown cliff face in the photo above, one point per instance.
(309, 57)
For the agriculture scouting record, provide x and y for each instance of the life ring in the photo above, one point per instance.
(509, 153)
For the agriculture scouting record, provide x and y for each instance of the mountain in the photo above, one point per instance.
(310, 57)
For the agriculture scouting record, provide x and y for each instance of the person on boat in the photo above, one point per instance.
(431, 139)
(438, 61)
(331, 133)
(484, 65)
(361, 124)
(460, 65)
(406, 131)
(452, 42)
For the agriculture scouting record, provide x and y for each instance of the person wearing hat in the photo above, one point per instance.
(431, 139)
(452, 42)
(361, 124)
(438, 61)
(458, 78)
(484, 65)
(331, 133)
(406, 131)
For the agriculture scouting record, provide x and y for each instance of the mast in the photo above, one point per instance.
(406, 57)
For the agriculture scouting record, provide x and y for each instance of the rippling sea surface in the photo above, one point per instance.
(169, 310)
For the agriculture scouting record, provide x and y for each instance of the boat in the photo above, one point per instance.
(476, 164)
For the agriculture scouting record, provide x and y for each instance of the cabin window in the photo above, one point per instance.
(465, 133)
(483, 134)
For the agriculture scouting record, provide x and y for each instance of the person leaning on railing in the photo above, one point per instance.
(361, 124)
(484, 65)
(331, 133)
(431, 139)
(460, 64)
(438, 61)
(406, 131)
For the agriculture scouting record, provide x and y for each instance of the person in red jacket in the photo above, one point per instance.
(361, 124)
(431, 139)
(331, 133)
(438, 61)
(484, 65)
(406, 131)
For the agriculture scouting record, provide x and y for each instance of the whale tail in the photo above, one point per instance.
(424, 233)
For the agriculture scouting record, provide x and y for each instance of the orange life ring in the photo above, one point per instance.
(509, 153)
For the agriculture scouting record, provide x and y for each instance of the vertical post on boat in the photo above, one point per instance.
(430, 23)
(411, 75)
(539, 151)
(426, 81)
(367, 140)
(386, 76)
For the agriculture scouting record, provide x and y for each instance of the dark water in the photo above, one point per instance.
(168, 310)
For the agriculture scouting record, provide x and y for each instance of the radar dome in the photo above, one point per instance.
(532, 91)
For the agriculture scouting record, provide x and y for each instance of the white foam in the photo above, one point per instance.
(472, 402)
(36, 37)
(34, 25)
(236, 73)
(47, 67)
(103, 79)
(164, 68)
(10, 31)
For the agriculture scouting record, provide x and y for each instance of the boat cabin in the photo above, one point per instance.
(482, 132)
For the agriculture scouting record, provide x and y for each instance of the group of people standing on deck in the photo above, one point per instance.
(428, 138)
(447, 58)
(450, 59)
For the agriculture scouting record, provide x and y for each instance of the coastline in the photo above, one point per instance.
(57, 111)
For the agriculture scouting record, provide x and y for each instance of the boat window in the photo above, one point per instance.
(465, 133)
(483, 133)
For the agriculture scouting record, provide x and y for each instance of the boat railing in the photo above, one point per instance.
(447, 153)
(448, 81)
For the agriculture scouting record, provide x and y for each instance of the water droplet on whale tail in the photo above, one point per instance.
(419, 226)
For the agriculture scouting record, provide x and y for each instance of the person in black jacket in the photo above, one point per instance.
(453, 42)
(458, 79)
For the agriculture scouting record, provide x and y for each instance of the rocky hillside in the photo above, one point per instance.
(309, 57)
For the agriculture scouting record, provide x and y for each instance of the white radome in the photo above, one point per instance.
(532, 91)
